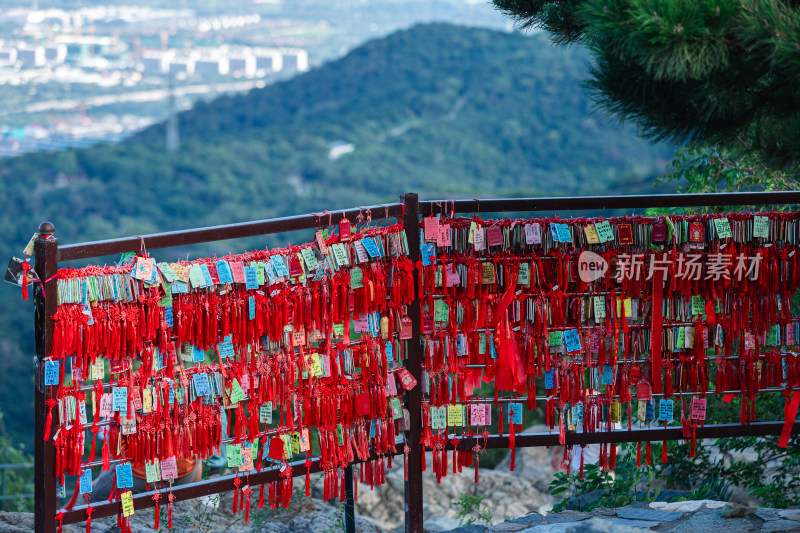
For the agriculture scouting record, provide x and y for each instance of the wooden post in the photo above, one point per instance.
(413, 487)
(46, 264)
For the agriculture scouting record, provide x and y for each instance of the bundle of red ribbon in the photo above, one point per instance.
(596, 306)
(315, 332)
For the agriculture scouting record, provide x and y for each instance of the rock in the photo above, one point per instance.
(639, 524)
(790, 514)
(506, 527)
(442, 523)
(579, 503)
(603, 512)
(648, 514)
(595, 525)
(780, 525)
(186, 515)
(712, 520)
(16, 522)
(330, 521)
(505, 495)
(530, 519)
(737, 512)
(767, 514)
(565, 516)
(304, 515)
(471, 528)
(689, 506)
(531, 464)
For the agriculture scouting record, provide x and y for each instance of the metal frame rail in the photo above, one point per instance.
(48, 255)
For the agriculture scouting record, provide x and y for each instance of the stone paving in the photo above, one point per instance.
(698, 516)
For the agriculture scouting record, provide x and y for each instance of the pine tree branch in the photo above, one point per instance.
(688, 71)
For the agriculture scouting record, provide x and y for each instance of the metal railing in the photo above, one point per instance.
(48, 255)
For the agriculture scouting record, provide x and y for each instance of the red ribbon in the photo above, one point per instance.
(790, 413)
(657, 324)
(156, 497)
(89, 511)
(25, 268)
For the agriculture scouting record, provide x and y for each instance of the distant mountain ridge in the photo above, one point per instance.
(441, 110)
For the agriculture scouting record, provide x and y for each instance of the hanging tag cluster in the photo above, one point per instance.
(601, 312)
(148, 354)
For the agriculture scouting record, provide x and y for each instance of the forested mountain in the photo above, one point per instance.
(441, 110)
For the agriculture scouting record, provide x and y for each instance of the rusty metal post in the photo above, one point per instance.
(413, 487)
(46, 264)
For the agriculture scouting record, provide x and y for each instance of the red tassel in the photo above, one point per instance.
(113, 488)
(47, 424)
(156, 496)
(72, 500)
(247, 490)
(694, 439)
(580, 476)
(106, 458)
(664, 453)
(261, 497)
(95, 429)
(603, 461)
(287, 492)
(612, 462)
(512, 444)
(25, 268)
(406, 449)
(639, 454)
(89, 511)
(648, 457)
(308, 477)
(436, 466)
(476, 454)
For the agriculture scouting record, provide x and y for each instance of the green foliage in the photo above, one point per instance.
(434, 110)
(17, 481)
(713, 488)
(471, 510)
(711, 169)
(200, 520)
(612, 489)
(755, 465)
(692, 71)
